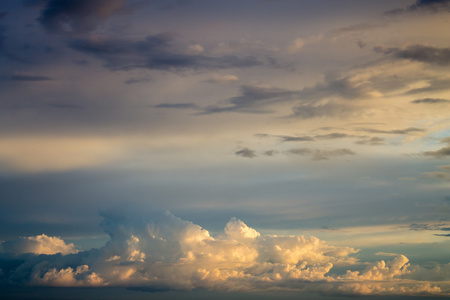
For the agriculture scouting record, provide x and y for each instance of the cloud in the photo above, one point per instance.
(433, 6)
(223, 79)
(69, 277)
(248, 153)
(373, 141)
(421, 53)
(40, 244)
(177, 105)
(317, 154)
(430, 101)
(167, 253)
(434, 85)
(393, 131)
(296, 46)
(253, 99)
(76, 16)
(441, 153)
(154, 52)
(432, 227)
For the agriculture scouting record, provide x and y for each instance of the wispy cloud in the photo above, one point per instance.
(421, 53)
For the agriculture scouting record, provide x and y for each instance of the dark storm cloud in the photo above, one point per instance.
(430, 101)
(155, 52)
(393, 131)
(317, 154)
(421, 53)
(245, 152)
(75, 16)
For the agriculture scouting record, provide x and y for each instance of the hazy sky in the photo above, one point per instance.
(273, 148)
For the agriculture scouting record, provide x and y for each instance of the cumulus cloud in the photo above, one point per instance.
(168, 253)
(40, 244)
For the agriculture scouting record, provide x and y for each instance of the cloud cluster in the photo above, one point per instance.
(441, 153)
(421, 53)
(75, 16)
(40, 244)
(433, 6)
(168, 253)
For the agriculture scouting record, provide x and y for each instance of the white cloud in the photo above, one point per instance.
(40, 244)
(171, 253)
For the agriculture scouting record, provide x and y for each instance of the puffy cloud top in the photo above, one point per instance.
(40, 244)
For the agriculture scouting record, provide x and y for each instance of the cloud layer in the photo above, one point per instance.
(168, 253)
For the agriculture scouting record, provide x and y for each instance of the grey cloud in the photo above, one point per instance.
(330, 109)
(248, 153)
(441, 153)
(421, 53)
(394, 131)
(253, 99)
(431, 227)
(154, 52)
(334, 135)
(334, 86)
(270, 152)
(373, 141)
(297, 138)
(430, 101)
(433, 6)
(76, 16)
(288, 138)
(317, 154)
(446, 140)
(177, 105)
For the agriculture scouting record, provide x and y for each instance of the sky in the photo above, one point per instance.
(252, 149)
